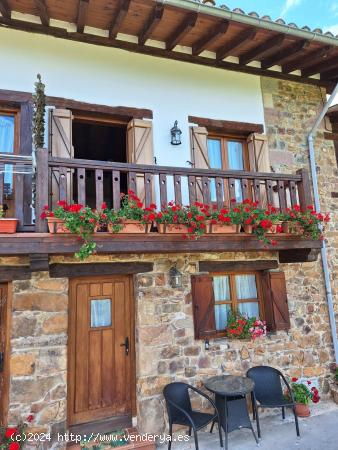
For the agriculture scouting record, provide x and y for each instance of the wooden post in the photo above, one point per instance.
(304, 189)
(41, 188)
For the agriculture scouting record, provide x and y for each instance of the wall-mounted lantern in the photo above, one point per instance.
(175, 134)
(175, 278)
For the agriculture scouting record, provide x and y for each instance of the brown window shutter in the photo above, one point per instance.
(275, 301)
(259, 158)
(140, 148)
(199, 154)
(203, 306)
(60, 146)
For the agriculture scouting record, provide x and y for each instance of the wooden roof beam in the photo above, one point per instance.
(285, 54)
(235, 44)
(330, 75)
(43, 12)
(261, 50)
(210, 38)
(183, 28)
(82, 15)
(5, 10)
(122, 11)
(308, 60)
(321, 67)
(151, 24)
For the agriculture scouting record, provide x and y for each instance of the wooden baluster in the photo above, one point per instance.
(163, 190)
(41, 200)
(116, 189)
(2, 185)
(206, 191)
(219, 192)
(99, 188)
(192, 189)
(245, 189)
(293, 193)
(148, 188)
(177, 188)
(281, 195)
(81, 186)
(304, 189)
(132, 181)
(63, 183)
(257, 192)
(232, 188)
(269, 191)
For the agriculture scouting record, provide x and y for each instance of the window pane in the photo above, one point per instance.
(7, 146)
(246, 286)
(250, 309)
(215, 161)
(235, 158)
(100, 313)
(221, 288)
(221, 316)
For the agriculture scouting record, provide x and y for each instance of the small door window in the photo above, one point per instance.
(100, 313)
(7, 145)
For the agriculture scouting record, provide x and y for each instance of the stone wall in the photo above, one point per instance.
(38, 362)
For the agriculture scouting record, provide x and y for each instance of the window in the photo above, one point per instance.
(228, 153)
(254, 293)
(100, 313)
(8, 144)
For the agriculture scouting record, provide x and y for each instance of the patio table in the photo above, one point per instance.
(230, 397)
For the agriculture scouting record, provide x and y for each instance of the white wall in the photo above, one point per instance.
(173, 90)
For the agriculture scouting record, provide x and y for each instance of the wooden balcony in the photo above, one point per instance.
(92, 182)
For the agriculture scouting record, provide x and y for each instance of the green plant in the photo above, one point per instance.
(336, 374)
(13, 438)
(240, 326)
(311, 222)
(39, 101)
(132, 208)
(302, 393)
(2, 212)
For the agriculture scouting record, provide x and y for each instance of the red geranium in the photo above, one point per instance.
(10, 432)
(14, 446)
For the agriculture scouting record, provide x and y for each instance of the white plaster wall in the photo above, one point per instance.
(172, 90)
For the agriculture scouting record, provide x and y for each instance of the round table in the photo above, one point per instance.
(230, 396)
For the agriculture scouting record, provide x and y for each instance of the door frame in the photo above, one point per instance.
(71, 337)
(7, 308)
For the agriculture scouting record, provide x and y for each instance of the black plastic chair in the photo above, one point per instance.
(268, 391)
(180, 412)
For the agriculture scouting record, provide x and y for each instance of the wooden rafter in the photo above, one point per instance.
(331, 136)
(210, 38)
(122, 11)
(330, 74)
(43, 12)
(82, 15)
(5, 10)
(235, 44)
(151, 24)
(284, 55)
(261, 50)
(182, 29)
(321, 67)
(308, 60)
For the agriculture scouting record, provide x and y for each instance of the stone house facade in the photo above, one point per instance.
(163, 341)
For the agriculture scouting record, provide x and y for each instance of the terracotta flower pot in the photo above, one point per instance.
(220, 228)
(56, 225)
(290, 227)
(248, 229)
(172, 228)
(302, 410)
(130, 226)
(8, 225)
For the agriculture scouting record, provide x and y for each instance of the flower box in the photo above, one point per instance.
(248, 229)
(8, 225)
(172, 228)
(302, 410)
(220, 228)
(291, 227)
(56, 225)
(130, 226)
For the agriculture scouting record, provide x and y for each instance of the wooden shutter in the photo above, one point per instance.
(199, 154)
(258, 153)
(61, 146)
(203, 306)
(140, 149)
(275, 301)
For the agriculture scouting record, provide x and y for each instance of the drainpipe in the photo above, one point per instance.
(325, 264)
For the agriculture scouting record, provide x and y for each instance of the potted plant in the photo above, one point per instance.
(223, 221)
(7, 225)
(239, 326)
(172, 219)
(133, 217)
(336, 375)
(303, 394)
(13, 438)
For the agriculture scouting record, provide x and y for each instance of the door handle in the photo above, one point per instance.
(126, 345)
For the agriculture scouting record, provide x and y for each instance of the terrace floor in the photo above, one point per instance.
(318, 431)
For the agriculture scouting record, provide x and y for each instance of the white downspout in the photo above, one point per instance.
(317, 206)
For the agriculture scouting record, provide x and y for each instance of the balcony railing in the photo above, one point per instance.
(92, 182)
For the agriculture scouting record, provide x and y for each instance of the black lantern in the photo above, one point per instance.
(175, 278)
(175, 134)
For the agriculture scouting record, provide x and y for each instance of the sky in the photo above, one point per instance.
(313, 13)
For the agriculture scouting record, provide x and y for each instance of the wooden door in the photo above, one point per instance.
(4, 352)
(101, 368)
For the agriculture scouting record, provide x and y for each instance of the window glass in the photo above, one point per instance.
(236, 162)
(215, 161)
(221, 288)
(246, 286)
(7, 146)
(250, 309)
(221, 316)
(100, 313)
